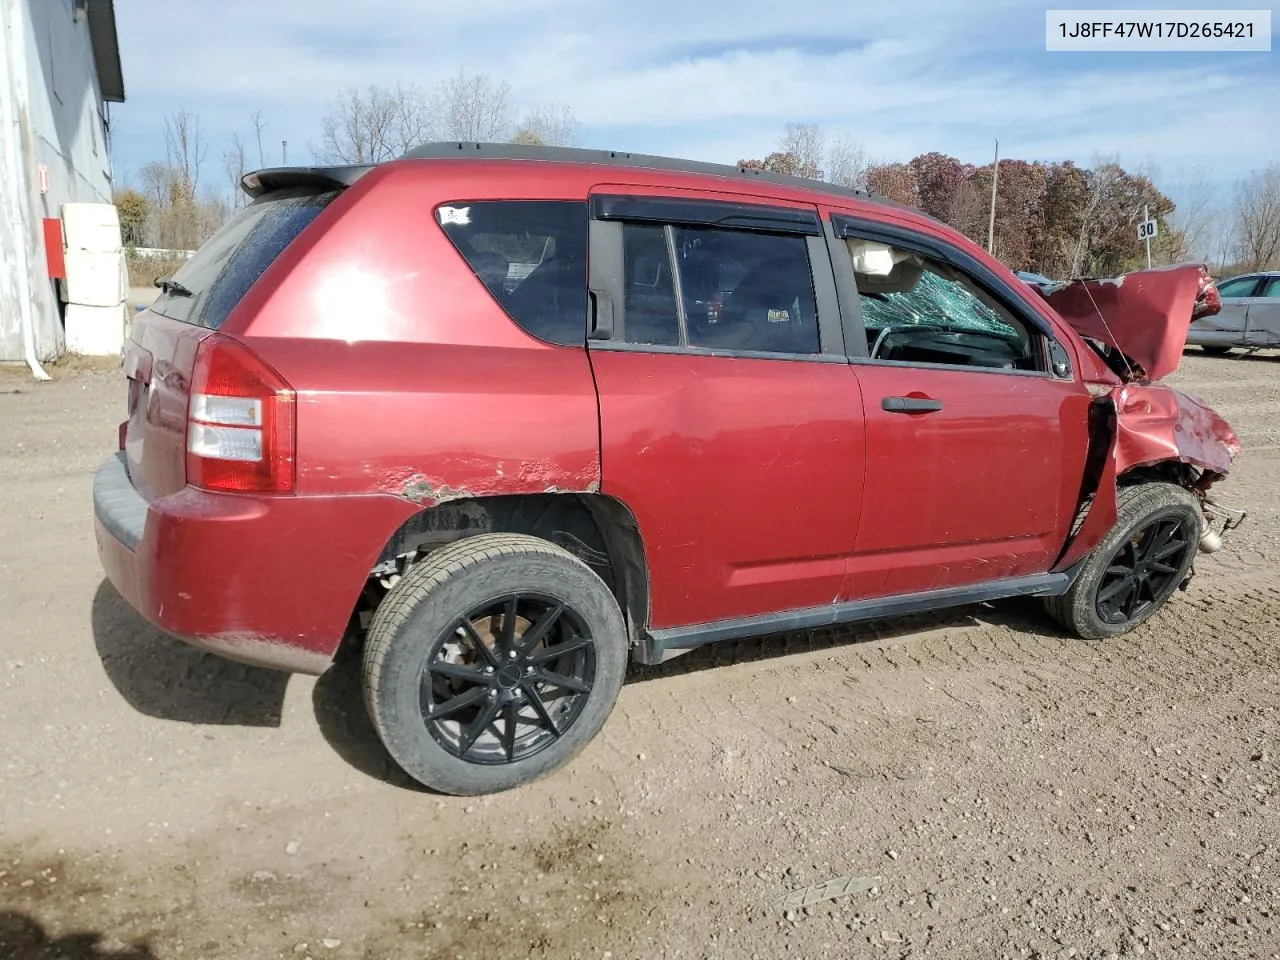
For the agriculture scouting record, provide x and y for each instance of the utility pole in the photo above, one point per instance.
(1145, 218)
(284, 153)
(995, 179)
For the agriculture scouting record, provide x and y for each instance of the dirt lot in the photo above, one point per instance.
(1012, 793)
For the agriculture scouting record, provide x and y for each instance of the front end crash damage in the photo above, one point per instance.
(1149, 431)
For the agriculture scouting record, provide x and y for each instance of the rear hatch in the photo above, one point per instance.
(160, 356)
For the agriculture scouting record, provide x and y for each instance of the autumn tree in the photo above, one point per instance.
(894, 181)
(1066, 191)
(134, 210)
(787, 164)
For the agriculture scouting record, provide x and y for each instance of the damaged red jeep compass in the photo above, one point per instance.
(508, 416)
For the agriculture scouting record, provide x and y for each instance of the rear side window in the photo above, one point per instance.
(221, 272)
(532, 257)
(1239, 287)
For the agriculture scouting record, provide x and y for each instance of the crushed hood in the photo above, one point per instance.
(1145, 315)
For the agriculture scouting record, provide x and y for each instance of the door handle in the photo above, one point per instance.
(910, 405)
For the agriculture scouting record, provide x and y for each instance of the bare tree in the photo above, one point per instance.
(258, 126)
(1106, 171)
(185, 145)
(806, 143)
(552, 124)
(1256, 217)
(847, 164)
(155, 183)
(362, 126)
(1196, 219)
(414, 121)
(473, 107)
(234, 162)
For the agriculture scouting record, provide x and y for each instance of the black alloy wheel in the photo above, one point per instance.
(508, 678)
(1145, 570)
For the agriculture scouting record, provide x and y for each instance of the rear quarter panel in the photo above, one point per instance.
(411, 379)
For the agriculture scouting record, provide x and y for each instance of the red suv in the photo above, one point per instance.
(508, 416)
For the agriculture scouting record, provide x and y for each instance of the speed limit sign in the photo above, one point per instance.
(1147, 230)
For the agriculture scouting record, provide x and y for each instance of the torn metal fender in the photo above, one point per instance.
(1157, 423)
(1141, 424)
(1145, 314)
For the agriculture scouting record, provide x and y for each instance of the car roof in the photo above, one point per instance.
(275, 178)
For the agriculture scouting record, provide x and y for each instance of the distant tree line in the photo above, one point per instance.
(1056, 218)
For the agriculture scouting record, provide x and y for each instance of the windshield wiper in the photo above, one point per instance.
(173, 287)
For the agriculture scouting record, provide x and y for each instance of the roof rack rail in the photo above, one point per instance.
(444, 150)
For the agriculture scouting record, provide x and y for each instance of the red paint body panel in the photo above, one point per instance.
(982, 489)
(197, 572)
(159, 357)
(412, 418)
(745, 477)
(1159, 423)
(759, 485)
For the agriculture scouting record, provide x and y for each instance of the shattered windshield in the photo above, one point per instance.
(934, 300)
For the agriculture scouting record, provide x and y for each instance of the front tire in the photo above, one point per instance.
(493, 662)
(1215, 350)
(1137, 566)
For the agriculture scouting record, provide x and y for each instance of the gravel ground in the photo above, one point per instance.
(968, 785)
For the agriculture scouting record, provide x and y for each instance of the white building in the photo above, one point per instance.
(59, 71)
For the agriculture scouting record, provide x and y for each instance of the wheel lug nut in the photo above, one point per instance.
(488, 669)
(492, 694)
(511, 654)
(528, 670)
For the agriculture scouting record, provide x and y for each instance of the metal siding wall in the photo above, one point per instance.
(52, 116)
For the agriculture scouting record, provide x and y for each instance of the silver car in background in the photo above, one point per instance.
(1250, 315)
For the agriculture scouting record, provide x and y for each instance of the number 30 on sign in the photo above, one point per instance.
(1147, 230)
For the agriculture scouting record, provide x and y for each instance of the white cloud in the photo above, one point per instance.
(711, 79)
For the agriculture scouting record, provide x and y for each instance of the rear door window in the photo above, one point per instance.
(747, 291)
(1239, 287)
(739, 290)
(221, 272)
(532, 257)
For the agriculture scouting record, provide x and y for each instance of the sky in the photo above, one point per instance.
(706, 79)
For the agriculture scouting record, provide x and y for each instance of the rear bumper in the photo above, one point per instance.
(268, 580)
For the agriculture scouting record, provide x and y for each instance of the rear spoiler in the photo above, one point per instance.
(277, 178)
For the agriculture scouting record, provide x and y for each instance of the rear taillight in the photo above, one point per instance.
(240, 421)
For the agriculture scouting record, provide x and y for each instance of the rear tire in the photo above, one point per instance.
(493, 662)
(1214, 350)
(1137, 566)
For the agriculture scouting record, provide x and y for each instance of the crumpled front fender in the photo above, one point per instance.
(1139, 425)
(1157, 423)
